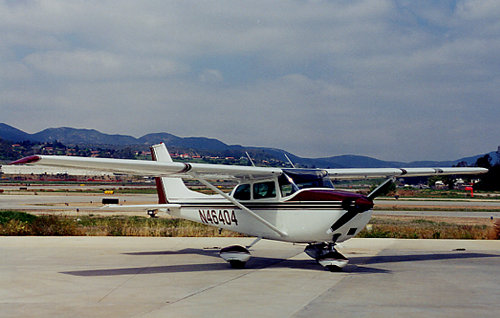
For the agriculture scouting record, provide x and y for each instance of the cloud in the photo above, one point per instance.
(211, 76)
(399, 80)
(101, 65)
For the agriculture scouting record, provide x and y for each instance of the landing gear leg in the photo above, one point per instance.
(327, 256)
(254, 242)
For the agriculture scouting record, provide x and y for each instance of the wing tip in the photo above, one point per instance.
(26, 160)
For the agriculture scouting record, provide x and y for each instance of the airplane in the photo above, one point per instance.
(285, 204)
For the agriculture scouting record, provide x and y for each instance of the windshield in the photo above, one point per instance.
(293, 180)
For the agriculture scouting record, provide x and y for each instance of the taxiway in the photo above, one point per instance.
(184, 277)
(90, 203)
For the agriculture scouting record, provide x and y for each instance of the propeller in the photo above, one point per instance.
(380, 189)
(360, 205)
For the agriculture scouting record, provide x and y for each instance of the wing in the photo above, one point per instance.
(364, 173)
(163, 169)
(149, 168)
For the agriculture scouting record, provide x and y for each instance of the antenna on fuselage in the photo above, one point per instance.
(251, 161)
(290, 161)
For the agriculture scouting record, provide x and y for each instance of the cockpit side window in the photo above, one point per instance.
(263, 190)
(286, 185)
(242, 192)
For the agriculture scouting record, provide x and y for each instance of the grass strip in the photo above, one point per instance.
(21, 223)
(411, 228)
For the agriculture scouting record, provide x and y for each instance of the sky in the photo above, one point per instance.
(395, 80)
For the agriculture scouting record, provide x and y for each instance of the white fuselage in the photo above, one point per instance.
(303, 222)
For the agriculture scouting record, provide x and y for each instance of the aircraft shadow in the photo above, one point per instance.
(254, 263)
(379, 259)
(357, 265)
(205, 251)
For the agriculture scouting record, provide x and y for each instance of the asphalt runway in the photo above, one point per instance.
(90, 203)
(454, 214)
(184, 277)
(69, 203)
(492, 203)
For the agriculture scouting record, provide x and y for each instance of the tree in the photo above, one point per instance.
(462, 164)
(6, 152)
(491, 179)
(484, 161)
(447, 180)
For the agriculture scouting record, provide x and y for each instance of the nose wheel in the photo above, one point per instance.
(327, 256)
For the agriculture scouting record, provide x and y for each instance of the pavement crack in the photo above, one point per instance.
(127, 280)
(200, 291)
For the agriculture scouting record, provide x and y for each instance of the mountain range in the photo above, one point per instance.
(92, 137)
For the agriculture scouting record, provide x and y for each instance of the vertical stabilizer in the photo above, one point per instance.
(170, 189)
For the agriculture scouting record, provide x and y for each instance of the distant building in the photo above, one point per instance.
(459, 184)
(439, 185)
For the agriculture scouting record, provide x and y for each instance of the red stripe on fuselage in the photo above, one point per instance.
(160, 189)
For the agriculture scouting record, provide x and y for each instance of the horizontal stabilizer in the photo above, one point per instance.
(140, 206)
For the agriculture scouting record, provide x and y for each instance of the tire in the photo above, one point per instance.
(333, 268)
(237, 264)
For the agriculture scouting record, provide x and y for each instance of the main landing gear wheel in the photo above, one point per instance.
(333, 262)
(327, 256)
(236, 255)
(333, 268)
(237, 264)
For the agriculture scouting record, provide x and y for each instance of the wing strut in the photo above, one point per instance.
(238, 204)
(250, 158)
(290, 161)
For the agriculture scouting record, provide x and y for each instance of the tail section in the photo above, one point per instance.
(170, 189)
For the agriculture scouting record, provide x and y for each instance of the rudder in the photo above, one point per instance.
(170, 189)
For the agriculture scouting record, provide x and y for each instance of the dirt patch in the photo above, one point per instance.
(438, 219)
(431, 227)
(394, 206)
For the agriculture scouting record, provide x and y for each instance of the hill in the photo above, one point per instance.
(13, 134)
(203, 145)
